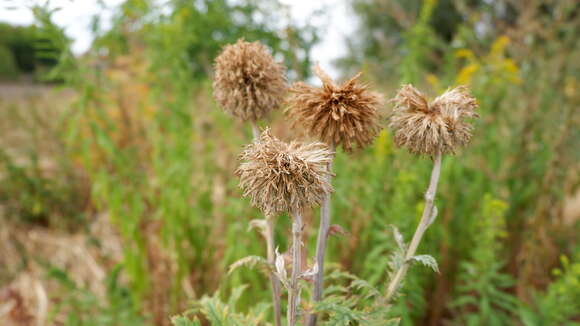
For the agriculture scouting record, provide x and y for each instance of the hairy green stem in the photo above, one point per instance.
(426, 220)
(294, 290)
(321, 246)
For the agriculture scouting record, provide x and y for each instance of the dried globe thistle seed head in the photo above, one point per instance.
(280, 177)
(436, 127)
(248, 83)
(336, 114)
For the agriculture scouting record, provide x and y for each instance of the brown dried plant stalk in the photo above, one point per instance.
(430, 128)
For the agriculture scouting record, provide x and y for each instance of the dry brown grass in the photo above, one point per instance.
(26, 294)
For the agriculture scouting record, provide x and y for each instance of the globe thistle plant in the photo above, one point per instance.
(248, 82)
(280, 177)
(435, 127)
(345, 114)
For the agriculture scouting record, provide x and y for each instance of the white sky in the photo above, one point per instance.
(75, 17)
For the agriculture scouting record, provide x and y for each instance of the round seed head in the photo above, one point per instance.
(280, 177)
(436, 127)
(336, 114)
(248, 83)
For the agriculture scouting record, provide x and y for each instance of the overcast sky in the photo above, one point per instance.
(75, 15)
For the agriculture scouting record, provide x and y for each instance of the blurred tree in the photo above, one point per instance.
(384, 27)
(20, 41)
(24, 44)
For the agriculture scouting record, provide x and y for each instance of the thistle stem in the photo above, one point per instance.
(426, 220)
(255, 130)
(294, 291)
(273, 279)
(321, 245)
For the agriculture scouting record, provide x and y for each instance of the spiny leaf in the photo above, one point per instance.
(433, 216)
(399, 238)
(236, 294)
(365, 286)
(335, 290)
(260, 225)
(339, 314)
(184, 321)
(426, 260)
(310, 273)
(252, 262)
(280, 269)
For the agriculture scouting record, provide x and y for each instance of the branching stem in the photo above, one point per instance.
(426, 220)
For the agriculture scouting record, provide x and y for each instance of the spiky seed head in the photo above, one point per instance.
(281, 177)
(336, 114)
(248, 83)
(435, 127)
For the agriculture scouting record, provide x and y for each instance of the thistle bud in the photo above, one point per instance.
(248, 83)
(344, 114)
(429, 128)
(280, 177)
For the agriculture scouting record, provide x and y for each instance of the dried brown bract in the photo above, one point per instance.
(280, 177)
(438, 126)
(336, 114)
(248, 83)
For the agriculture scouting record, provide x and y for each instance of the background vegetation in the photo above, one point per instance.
(119, 205)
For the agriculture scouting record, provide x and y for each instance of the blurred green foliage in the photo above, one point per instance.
(561, 302)
(26, 193)
(81, 307)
